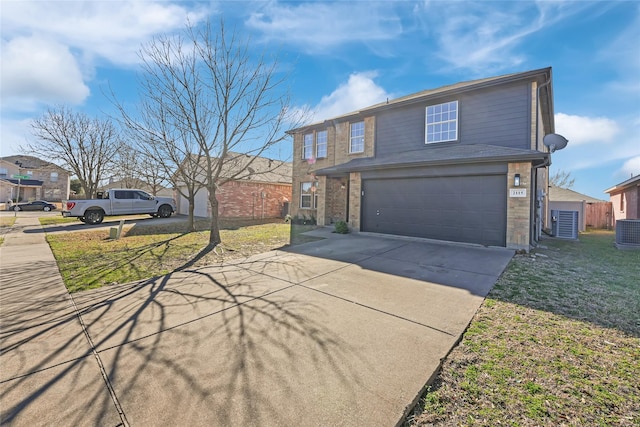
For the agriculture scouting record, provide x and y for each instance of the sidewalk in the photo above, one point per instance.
(48, 372)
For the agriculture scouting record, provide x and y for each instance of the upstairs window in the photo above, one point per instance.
(53, 177)
(357, 138)
(442, 122)
(4, 172)
(307, 146)
(321, 144)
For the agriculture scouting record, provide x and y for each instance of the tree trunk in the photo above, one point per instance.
(190, 223)
(214, 237)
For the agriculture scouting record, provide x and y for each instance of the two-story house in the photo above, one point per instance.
(42, 179)
(464, 163)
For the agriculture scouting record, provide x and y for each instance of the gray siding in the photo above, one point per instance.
(495, 116)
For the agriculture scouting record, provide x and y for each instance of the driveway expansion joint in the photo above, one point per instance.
(380, 311)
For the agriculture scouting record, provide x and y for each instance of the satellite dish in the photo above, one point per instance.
(554, 142)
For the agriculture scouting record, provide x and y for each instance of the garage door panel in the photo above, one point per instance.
(464, 208)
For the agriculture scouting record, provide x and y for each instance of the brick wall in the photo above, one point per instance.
(355, 192)
(241, 199)
(519, 208)
(336, 200)
(332, 198)
(628, 209)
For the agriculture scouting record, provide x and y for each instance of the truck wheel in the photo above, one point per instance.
(165, 211)
(93, 217)
(17, 208)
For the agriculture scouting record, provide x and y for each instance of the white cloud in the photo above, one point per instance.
(358, 92)
(13, 133)
(596, 142)
(483, 37)
(35, 70)
(320, 26)
(109, 29)
(631, 167)
(586, 130)
(50, 49)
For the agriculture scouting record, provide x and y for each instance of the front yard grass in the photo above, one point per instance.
(556, 342)
(5, 223)
(89, 259)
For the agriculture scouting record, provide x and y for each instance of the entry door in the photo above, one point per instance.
(468, 209)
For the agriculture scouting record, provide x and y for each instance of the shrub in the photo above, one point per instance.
(342, 227)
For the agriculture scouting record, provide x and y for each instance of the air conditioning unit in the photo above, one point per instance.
(564, 224)
(628, 233)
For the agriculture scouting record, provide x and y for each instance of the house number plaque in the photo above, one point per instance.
(517, 192)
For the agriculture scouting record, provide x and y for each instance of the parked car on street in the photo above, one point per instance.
(36, 205)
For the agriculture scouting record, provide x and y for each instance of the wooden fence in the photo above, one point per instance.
(599, 215)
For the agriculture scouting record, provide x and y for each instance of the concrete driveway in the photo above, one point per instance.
(344, 331)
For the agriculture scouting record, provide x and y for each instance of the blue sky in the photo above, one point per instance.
(341, 56)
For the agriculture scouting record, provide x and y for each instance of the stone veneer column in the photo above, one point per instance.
(322, 191)
(519, 208)
(355, 191)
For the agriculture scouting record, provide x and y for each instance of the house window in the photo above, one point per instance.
(53, 177)
(308, 195)
(4, 172)
(307, 147)
(442, 122)
(357, 138)
(30, 173)
(621, 202)
(321, 144)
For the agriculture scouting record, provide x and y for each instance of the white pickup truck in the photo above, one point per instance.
(123, 201)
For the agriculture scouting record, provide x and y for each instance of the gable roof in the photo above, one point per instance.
(258, 169)
(559, 194)
(245, 167)
(440, 155)
(631, 182)
(30, 162)
(541, 75)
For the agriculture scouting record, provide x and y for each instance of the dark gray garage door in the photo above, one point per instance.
(469, 209)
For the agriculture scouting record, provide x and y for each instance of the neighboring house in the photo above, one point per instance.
(262, 190)
(138, 184)
(625, 198)
(463, 163)
(592, 212)
(46, 181)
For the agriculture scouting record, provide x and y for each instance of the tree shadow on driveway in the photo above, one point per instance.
(211, 346)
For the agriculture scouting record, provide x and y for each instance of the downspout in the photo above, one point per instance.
(539, 196)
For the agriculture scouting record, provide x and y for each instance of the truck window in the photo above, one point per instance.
(122, 194)
(142, 195)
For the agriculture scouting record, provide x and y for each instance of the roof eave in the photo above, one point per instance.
(542, 160)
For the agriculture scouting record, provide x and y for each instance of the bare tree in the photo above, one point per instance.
(86, 146)
(561, 179)
(205, 98)
(127, 172)
(169, 153)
